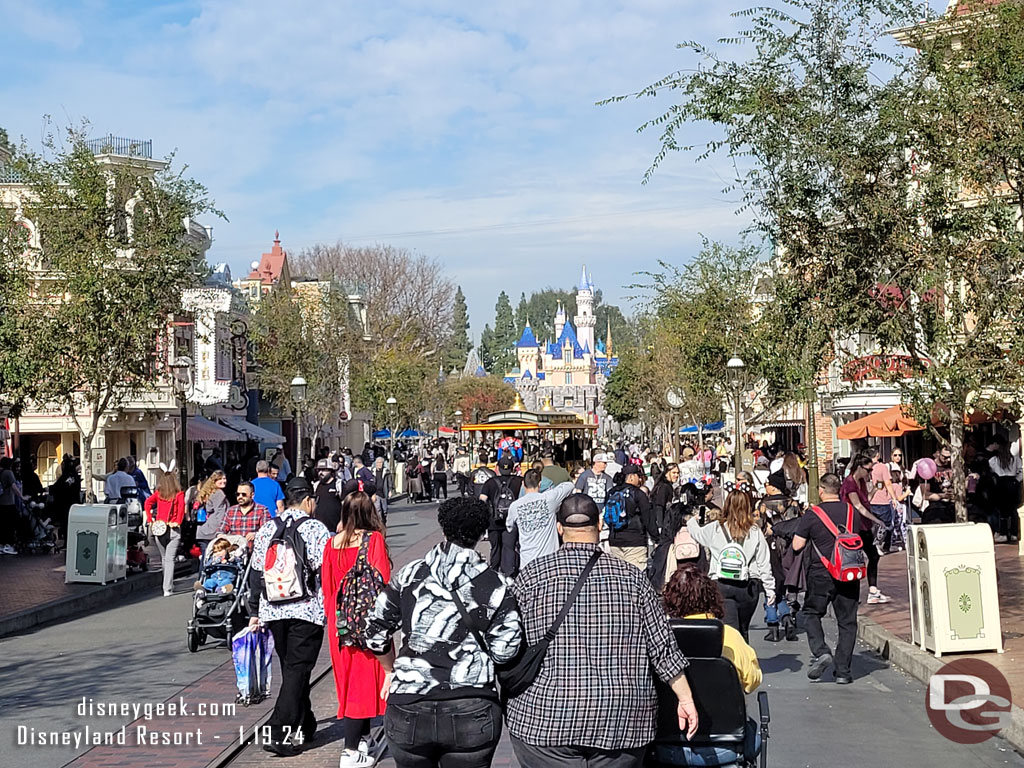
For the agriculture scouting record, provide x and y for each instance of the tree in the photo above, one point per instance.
(459, 344)
(626, 390)
(477, 396)
(408, 298)
(112, 261)
(888, 184)
(498, 345)
(315, 334)
(16, 368)
(522, 313)
(403, 375)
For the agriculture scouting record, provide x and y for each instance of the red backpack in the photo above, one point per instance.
(848, 561)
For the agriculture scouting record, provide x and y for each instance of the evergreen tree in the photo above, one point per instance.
(459, 345)
(504, 336)
(486, 349)
(522, 314)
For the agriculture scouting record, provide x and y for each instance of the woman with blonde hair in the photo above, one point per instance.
(211, 507)
(740, 561)
(165, 512)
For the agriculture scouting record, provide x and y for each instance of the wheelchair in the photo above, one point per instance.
(724, 737)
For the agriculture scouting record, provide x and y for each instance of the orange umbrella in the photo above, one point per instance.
(892, 422)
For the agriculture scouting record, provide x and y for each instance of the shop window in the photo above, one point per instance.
(47, 462)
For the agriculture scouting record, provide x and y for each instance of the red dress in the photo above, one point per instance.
(358, 676)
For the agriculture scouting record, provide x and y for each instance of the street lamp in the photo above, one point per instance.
(182, 383)
(643, 425)
(298, 392)
(458, 419)
(734, 373)
(392, 404)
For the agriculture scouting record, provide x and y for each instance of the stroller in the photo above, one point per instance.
(218, 611)
(136, 558)
(38, 534)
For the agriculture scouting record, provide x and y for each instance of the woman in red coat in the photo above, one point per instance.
(358, 675)
(165, 511)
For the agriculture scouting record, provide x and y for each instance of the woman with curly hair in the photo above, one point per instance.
(740, 560)
(212, 504)
(690, 594)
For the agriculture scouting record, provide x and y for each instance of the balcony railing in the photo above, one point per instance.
(10, 176)
(118, 145)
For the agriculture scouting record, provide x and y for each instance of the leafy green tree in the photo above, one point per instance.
(16, 368)
(395, 373)
(112, 262)
(459, 345)
(477, 396)
(626, 390)
(487, 349)
(522, 313)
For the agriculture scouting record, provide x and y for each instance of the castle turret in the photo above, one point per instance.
(559, 321)
(585, 320)
(528, 351)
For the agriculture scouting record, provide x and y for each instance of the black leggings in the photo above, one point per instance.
(868, 540)
(740, 599)
(355, 729)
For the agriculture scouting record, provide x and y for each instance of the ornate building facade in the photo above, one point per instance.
(568, 373)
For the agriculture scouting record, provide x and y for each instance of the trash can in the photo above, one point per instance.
(958, 602)
(97, 543)
(914, 591)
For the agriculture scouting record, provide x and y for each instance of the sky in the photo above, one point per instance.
(462, 130)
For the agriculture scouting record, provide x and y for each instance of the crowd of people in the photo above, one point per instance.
(621, 542)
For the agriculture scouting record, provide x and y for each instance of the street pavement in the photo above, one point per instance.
(133, 653)
(136, 653)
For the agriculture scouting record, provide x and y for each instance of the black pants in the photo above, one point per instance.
(440, 485)
(297, 644)
(740, 599)
(822, 590)
(427, 485)
(463, 481)
(504, 556)
(868, 539)
(1007, 499)
(9, 518)
(459, 733)
(576, 757)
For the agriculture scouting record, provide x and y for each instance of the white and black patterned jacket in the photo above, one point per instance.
(439, 657)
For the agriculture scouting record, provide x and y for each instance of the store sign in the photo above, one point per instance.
(881, 367)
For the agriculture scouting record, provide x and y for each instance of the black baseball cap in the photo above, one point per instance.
(298, 488)
(506, 465)
(579, 511)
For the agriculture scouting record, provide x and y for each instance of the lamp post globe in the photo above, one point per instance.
(734, 372)
(182, 383)
(298, 393)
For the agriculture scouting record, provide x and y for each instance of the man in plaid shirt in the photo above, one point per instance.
(246, 517)
(593, 702)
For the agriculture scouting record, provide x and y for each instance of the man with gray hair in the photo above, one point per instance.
(267, 490)
(611, 694)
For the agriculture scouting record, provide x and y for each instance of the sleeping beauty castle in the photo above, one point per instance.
(566, 374)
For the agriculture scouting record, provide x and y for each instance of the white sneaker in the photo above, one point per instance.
(1000, 538)
(355, 759)
(169, 594)
(7, 549)
(364, 748)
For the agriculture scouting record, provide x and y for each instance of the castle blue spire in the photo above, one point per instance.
(584, 284)
(527, 339)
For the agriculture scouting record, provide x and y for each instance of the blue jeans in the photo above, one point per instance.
(774, 613)
(708, 756)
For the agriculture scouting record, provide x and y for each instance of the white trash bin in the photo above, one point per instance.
(97, 543)
(957, 600)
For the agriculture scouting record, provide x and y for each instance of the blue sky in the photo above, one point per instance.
(463, 130)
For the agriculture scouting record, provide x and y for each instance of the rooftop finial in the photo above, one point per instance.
(584, 284)
(277, 237)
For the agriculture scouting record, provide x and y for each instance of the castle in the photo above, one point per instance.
(569, 373)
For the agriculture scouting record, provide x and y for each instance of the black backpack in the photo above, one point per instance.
(287, 577)
(503, 500)
(357, 594)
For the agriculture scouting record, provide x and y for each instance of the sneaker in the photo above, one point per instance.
(168, 593)
(7, 549)
(355, 759)
(1000, 539)
(874, 598)
(364, 748)
(818, 666)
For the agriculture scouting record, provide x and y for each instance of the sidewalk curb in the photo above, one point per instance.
(102, 596)
(922, 665)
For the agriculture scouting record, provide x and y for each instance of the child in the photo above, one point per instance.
(222, 580)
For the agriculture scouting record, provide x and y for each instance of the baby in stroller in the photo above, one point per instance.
(224, 561)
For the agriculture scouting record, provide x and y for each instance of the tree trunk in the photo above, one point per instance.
(90, 494)
(956, 446)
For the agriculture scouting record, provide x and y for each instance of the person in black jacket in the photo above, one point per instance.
(629, 542)
(775, 510)
(664, 493)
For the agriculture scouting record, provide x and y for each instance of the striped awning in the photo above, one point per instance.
(784, 415)
(252, 431)
(202, 430)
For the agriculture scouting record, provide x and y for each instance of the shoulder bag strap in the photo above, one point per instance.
(576, 589)
(469, 622)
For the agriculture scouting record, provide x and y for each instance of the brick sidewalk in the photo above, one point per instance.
(35, 592)
(895, 616)
(220, 736)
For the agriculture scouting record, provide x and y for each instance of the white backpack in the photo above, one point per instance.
(732, 561)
